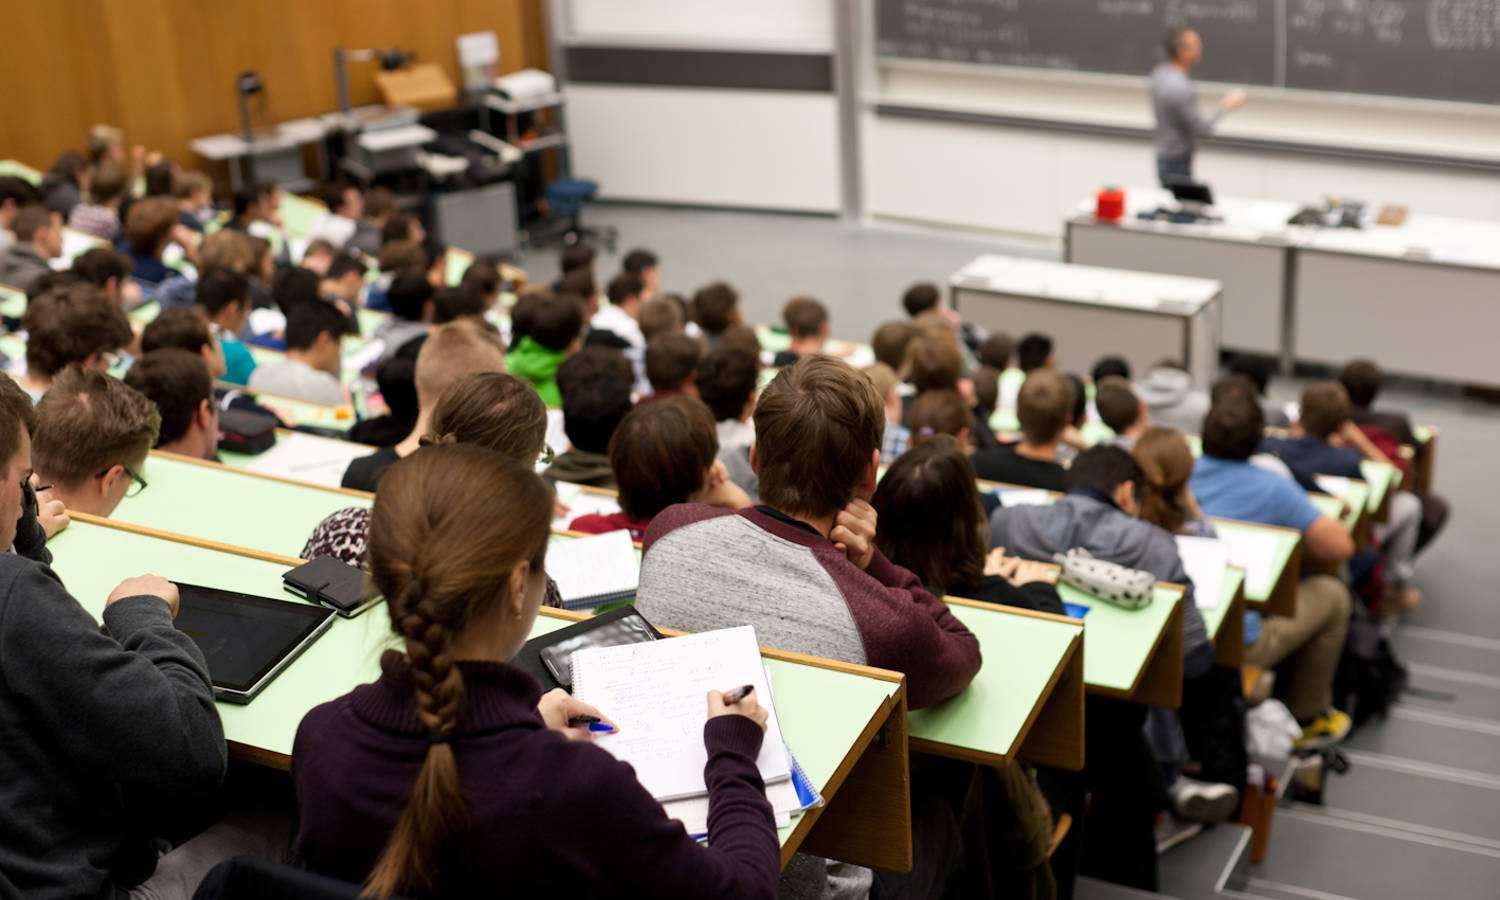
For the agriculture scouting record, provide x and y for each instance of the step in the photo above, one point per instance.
(1217, 858)
(1085, 888)
(1446, 648)
(1458, 691)
(1430, 736)
(1426, 795)
(1319, 855)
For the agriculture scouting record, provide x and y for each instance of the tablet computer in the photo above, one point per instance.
(246, 640)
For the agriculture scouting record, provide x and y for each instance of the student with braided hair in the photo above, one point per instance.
(453, 774)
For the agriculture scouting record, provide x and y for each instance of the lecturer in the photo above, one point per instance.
(1179, 124)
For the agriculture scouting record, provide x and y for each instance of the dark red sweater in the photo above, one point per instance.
(548, 817)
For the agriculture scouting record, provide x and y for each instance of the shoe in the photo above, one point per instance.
(1398, 600)
(1325, 731)
(1202, 801)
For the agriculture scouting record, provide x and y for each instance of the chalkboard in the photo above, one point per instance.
(1431, 49)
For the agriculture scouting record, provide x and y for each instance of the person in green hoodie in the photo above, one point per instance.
(595, 385)
(546, 330)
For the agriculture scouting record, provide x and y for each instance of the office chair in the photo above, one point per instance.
(567, 197)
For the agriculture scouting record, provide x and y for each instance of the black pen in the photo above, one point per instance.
(738, 694)
(583, 720)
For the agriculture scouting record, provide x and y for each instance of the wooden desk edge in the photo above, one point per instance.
(210, 464)
(1229, 643)
(290, 562)
(1148, 687)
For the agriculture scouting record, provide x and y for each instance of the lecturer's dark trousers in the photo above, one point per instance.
(1173, 168)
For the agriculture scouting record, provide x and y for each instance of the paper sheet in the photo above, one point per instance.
(599, 565)
(1038, 497)
(1205, 560)
(655, 692)
(1253, 552)
(1333, 484)
(307, 457)
(581, 503)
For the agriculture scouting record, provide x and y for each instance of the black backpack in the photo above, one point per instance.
(1369, 676)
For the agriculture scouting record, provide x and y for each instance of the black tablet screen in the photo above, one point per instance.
(243, 637)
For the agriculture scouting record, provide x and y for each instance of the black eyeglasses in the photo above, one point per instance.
(138, 483)
(548, 454)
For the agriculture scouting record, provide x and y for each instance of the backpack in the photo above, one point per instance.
(1369, 677)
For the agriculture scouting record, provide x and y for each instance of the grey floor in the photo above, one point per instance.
(1419, 813)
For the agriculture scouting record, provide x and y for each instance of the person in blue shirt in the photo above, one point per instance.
(1327, 442)
(224, 296)
(1227, 485)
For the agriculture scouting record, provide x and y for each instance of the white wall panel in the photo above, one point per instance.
(761, 24)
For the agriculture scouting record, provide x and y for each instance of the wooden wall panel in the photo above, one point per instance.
(164, 70)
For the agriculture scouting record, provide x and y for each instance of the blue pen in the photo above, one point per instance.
(601, 726)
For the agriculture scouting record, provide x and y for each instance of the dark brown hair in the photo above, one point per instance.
(177, 381)
(1325, 409)
(891, 341)
(1117, 403)
(931, 520)
(935, 361)
(492, 410)
(671, 360)
(99, 264)
(938, 412)
(817, 426)
(88, 422)
(1166, 463)
(714, 305)
(726, 381)
(1044, 405)
(108, 183)
(15, 410)
(986, 388)
(68, 325)
(402, 256)
(1361, 379)
(149, 223)
(624, 286)
(997, 350)
(920, 297)
(184, 327)
(659, 316)
(804, 317)
(448, 527)
(660, 453)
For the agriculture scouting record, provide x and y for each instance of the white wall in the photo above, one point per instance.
(699, 146)
(805, 25)
(1022, 181)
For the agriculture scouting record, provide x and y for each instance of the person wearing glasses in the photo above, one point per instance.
(75, 324)
(92, 439)
(448, 353)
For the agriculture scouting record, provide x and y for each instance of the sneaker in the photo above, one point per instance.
(1202, 801)
(1324, 731)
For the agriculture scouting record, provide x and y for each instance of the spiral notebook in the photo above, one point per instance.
(655, 692)
(595, 570)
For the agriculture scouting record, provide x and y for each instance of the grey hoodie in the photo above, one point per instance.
(1171, 400)
(1079, 520)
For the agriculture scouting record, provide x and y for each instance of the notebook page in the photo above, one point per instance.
(306, 457)
(1205, 560)
(581, 503)
(656, 693)
(1252, 551)
(595, 566)
(1336, 485)
(1036, 497)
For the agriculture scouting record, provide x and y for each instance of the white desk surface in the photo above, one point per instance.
(397, 138)
(1422, 238)
(1244, 220)
(288, 134)
(1093, 285)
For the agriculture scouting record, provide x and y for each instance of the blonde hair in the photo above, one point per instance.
(451, 351)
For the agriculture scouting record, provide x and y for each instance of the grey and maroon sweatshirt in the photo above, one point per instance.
(707, 568)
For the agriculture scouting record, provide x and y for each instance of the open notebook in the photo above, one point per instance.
(656, 693)
(1206, 561)
(595, 570)
(581, 503)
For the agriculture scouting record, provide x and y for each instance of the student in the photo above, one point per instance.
(807, 322)
(92, 438)
(38, 239)
(314, 332)
(318, 255)
(1110, 366)
(63, 186)
(396, 379)
(224, 248)
(185, 329)
(379, 206)
(482, 278)
(890, 343)
(580, 283)
(660, 316)
(396, 258)
(224, 296)
(1035, 352)
(341, 283)
(451, 304)
(1390, 428)
(672, 362)
(986, 382)
(76, 324)
(109, 271)
(574, 258)
(935, 362)
(178, 383)
(450, 352)
(896, 438)
(643, 264)
(15, 193)
(143, 689)
(150, 226)
(595, 387)
(663, 454)
(1258, 370)
(245, 209)
(553, 331)
(1098, 513)
(402, 227)
(726, 384)
(194, 194)
(715, 307)
(410, 300)
(817, 447)
(996, 351)
(1227, 485)
(1327, 442)
(345, 207)
(925, 299)
(1044, 408)
(100, 215)
(463, 614)
(492, 410)
(1121, 410)
(932, 523)
(941, 412)
(619, 321)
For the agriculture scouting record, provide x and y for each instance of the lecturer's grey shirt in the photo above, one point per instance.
(1179, 124)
